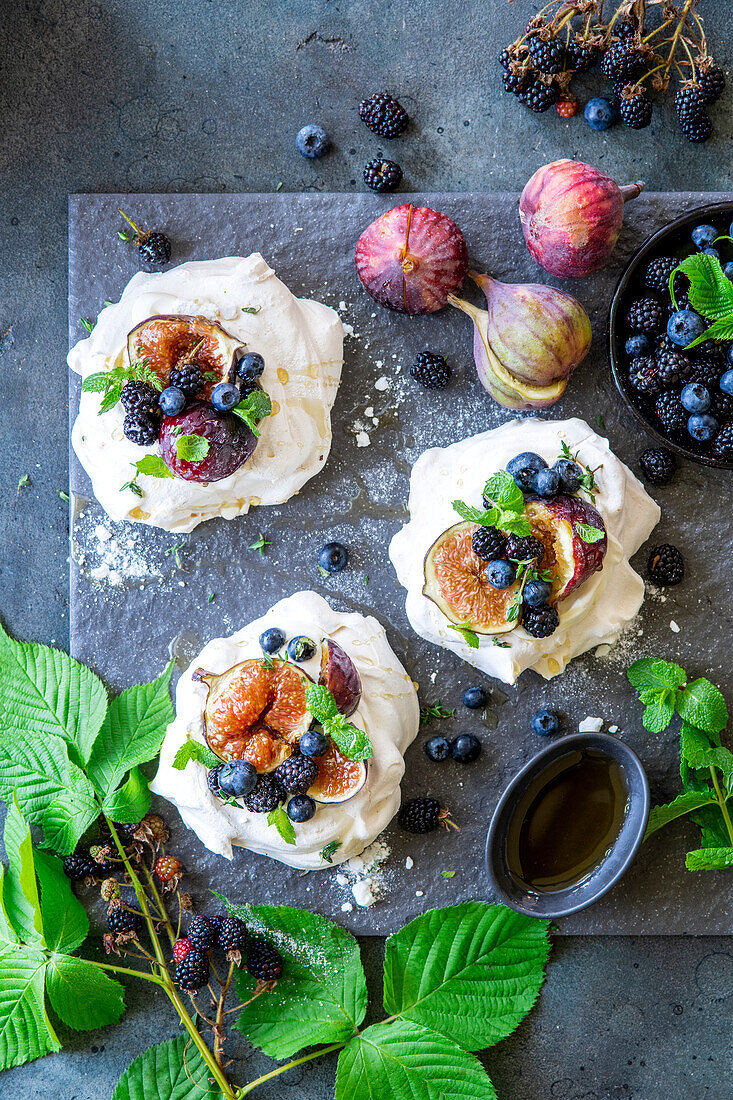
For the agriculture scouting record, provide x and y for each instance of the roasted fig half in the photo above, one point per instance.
(338, 778)
(455, 580)
(339, 675)
(168, 341)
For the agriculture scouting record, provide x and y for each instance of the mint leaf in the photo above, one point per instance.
(44, 691)
(650, 673)
(694, 746)
(468, 634)
(502, 490)
(97, 383)
(192, 448)
(39, 771)
(702, 705)
(255, 406)
(194, 750)
(658, 715)
(513, 524)
(173, 1070)
(152, 466)
(713, 829)
(351, 742)
(82, 995)
(321, 997)
(589, 534)
(321, 703)
(404, 1061)
(25, 1029)
(7, 932)
(132, 732)
(683, 804)
(476, 515)
(709, 859)
(448, 874)
(109, 400)
(282, 823)
(471, 972)
(20, 890)
(65, 922)
(710, 291)
(130, 802)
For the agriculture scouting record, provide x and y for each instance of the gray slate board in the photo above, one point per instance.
(126, 632)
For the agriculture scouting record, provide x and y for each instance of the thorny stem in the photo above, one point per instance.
(160, 904)
(288, 1065)
(723, 803)
(218, 1028)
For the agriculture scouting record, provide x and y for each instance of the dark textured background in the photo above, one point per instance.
(207, 95)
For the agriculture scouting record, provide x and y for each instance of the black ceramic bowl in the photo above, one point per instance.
(672, 240)
(559, 903)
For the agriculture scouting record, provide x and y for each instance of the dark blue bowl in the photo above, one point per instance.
(559, 903)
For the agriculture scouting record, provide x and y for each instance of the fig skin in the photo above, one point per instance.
(563, 513)
(411, 258)
(571, 215)
(339, 675)
(231, 443)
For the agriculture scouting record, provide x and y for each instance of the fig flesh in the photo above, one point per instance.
(173, 340)
(338, 779)
(455, 580)
(339, 675)
(230, 443)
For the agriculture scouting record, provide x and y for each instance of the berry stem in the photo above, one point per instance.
(288, 1065)
(160, 905)
(127, 970)
(722, 802)
(129, 221)
(219, 1023)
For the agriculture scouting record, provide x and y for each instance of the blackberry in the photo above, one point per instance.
(123, 921)
(126, 832)
(547, 54)
(636, 111)
(266, 797)
(621, 63)
(712, 83)
(155, 249)
(657, 273)
(264, 961)
(181, 948)
(538, 97)
(658, 465)
(488, 543)
(79, 866)
(689, 103)
(384, 115)
(671, 412)
(697, 130)
(141, 428)
(431, 370)
(625, 31)
(232, 934)
(645, 315)
(202, 933)
(190, 379)
(705, 368)
(382, 175)
(524, 549)
(643, 377)
(193, 971)
(666, 565)
(722, 406)
(297, 773)
(581, 57)
(540, 622)
(212, 780)
(420, 815)
(671, 367)
(505, 59)
(138, 396)
(515, 82)
(723, 444)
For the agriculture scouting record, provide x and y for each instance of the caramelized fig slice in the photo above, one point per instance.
(339, 675)
(256, 711)
(455, 580)
(338, 778)
(172, 340)
(569, 559)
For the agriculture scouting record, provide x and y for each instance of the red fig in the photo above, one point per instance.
(230, 443)
(338, 673)
(411, 258)
(571, 215)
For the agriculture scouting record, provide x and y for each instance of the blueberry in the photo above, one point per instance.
(684, 326)
(544, 722)
(465, 748)
(500, 573)
(250, 366)
(437, 749)
(301, 648)
(728, 269)
(546, 483)
(333, 557)
(600, 113)
(726, 382)
(704, 235)
(695, 397)
(172, 401)
(523, 467)
(475, 697)
(536, 593)
(636, 345)
(224, 396)
(272, 640)
(312, 141)
(314, 743)
(710, 252)
(237, 778)
(570, 473)
(702, 427)
(300, 808)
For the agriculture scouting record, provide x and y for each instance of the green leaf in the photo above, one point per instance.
(7, 932)
(82, 995)
(153, 466)
(38, 770)
(173, 1070)
(514, 525)
(714, 831)
(589, 534)
(719, 330)
(255, 406)
(282, 823)
(476, 515)
(710, 291)
(648, 673)
(130, 802)
(329, 851)
(65, 922)
(709, 859)
(404, 1061)
(110, 399)
(192, 448)
(194, 750)
(96, 383)
(69, 816)
(25, 1029)
(502, 490)
(471, 972)
(702, 705)
(321, 703)
(351, 742)
(44, 691)
(657, 716)
(467, 632)
(20, 890)
(132, 732)
(322, 996)
(683, 804)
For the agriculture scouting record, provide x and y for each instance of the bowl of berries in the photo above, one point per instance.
(671, 335)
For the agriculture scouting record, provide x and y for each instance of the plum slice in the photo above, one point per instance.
(339, 675)
(170, 340)
(230, 443)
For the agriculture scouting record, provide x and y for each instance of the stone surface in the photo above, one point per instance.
(181, 97)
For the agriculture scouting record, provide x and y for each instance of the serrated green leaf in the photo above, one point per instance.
(110, 399)
(352, 742)
(130, 802)
(194, 750)
(38, 769)
(321, 997)
(132, 732)
(321, 702)
(255, 407)
(589, 534)
(476, 515)
(68, 817)
(702, 705)
(719, 330)
(471, 972)
(96, 383)
(404, 1061)
(65, 922)
(173, 1070)
(44, 691)
(709, 859)
(648, 673)
(81, 994)
(7, 932)
(20, 890)
(192, 448)
(710, 291)
(713, 829)
(502, 490)
(657, 715)
(25, 1029)
(683, 804)
(152, 466)
(467, 632)
(280, 820)
(514, 525)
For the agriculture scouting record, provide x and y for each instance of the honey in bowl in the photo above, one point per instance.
(566, 821)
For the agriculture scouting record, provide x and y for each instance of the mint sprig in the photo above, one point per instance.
(194, 750)
(351, 742)
(192, 448)
(110, 383)
(589, 534)
(253, 408)
(282, 823)
(467, 632)
(506, 506)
